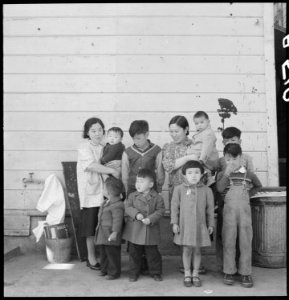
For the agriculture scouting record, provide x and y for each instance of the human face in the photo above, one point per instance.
(177, 133)
(193, 175)
(201, 123)
(234, 140)
(95, 133)
(113, 137)
(141, 140)
(234, 161)
(143, 185)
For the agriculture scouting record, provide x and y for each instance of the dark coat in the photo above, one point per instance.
(150, 206)
(110, 219)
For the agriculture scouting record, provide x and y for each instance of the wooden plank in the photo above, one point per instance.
(66, 140)
(140, 64)
(152, 25)
(69, 170)
(189, 45)
(137, 83)
(272, 150)
(54, 121)
(131, 102)
(133, 9)
(16, 225)
(51, 160)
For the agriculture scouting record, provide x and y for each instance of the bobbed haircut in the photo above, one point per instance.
(233, 149)
(200, 114)
(231, 132)
(192, 164)
(138, 127)
(114, 186)
(181, 121)
(117, 130)
(146, 173)
(88, 123)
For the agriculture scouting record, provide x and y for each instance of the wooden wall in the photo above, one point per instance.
(64, 63)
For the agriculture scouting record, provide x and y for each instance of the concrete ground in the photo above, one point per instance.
(30, 275)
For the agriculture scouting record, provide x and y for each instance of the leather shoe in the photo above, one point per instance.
(93, 267)
(246, 281)
(228, 279)
(111, 277)
(102, 274)
(157, 277)
(133, 278)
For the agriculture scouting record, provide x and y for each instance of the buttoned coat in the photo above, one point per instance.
(110, 219)
(192, 208)
(150, 206)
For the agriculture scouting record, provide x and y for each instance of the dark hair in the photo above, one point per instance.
(230, 132)
(138, 127)
(180, 121)
(192, 164)
(146, 173)
(233, 149)
(117, 130)
(88, 124)
(200, 114)
(114, 186)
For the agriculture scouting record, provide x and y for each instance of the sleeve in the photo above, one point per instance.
(85, 156)
(130, 210)
(256, 185)
(210, 208)
(159, 211)
(160, 172)
(117, 218)
(168, 158)
(124, 170)
(222, 182)
(175, 206)
(209, 141)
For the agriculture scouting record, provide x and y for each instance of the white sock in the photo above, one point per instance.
(188, 273)
(195, 273)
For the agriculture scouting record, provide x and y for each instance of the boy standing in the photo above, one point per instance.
(238, 185)
(230, 135)
(142, 154)
(143, 210)
(109, 229)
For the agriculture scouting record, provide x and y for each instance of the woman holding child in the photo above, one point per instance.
(90, 184)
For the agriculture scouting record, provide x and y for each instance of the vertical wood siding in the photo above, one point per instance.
(64, 63)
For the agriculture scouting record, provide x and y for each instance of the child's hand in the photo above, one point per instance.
(211, 230)
(146, 221)
(139, 216)
(176, 229)
(231, 167)
(112, 236)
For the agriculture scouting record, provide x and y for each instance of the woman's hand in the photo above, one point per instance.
(112, 236)
(176, 229)
(139, 217)
(146, 221)
(115, 173)
(210, 229)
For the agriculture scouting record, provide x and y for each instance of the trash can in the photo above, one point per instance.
(269, 227)
(58, 243)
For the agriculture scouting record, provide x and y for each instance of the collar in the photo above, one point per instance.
(150, 145)
(148, 196)
(241, 170)
(188, 185)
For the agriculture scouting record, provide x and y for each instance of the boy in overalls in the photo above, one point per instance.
(238, 185)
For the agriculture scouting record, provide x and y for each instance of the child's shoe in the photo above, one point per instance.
(228, 279)
(196, 281)
(188, 281)
(157, 277)
(246, 281)
(133, 278)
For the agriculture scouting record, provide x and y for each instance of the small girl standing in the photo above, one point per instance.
(192, 216)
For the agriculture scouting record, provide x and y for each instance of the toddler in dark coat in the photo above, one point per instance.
(109, 229)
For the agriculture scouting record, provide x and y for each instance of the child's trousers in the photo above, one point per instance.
(237, 220)
(153, 256)
(110, 259)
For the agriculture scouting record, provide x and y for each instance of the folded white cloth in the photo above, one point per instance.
(52, 201)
